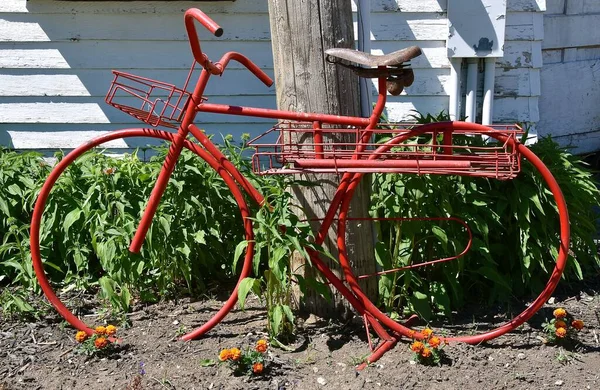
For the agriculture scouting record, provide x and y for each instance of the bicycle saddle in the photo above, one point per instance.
(359, 57)
(398, 76)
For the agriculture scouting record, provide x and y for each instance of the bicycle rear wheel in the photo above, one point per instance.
(494, 330)
(61, 167)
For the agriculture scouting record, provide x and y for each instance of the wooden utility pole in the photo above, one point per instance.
(301, 30)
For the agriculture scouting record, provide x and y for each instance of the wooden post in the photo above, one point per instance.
(301, 30)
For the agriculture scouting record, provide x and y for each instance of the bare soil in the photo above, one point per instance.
(42, 355)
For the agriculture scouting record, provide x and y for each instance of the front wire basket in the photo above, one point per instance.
(301, 148)
(153, 102)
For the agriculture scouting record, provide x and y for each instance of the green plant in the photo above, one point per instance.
(101, 342)
(249, 361)
(428, 350)
(563, 328)
(90, 218)
(515, 221)
(279, 234)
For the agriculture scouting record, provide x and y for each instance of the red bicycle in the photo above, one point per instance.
(306, 142)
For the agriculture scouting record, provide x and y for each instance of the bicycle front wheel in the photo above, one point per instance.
(467, 334)
(47, 217)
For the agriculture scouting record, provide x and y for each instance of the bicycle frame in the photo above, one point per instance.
(348, 182)
(197, 104)
(389, 331)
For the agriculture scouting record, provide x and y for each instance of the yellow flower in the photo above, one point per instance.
(235, 354)
(100, 330)
(224, 355)
(261, 346)
(417, 346)
(111, 330)
(426, 352)
(434, 342)
(561, 332)
(257, 368)
(560, 324)
(411, 334)
(426, 333)
(100, 342)
(81, 336)
(560, 313)
(577, 324)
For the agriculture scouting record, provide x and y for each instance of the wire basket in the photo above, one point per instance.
(153, 102)
(299, 147)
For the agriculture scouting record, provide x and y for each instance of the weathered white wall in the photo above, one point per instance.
(56, 59)
(570, 78)
(399, 23)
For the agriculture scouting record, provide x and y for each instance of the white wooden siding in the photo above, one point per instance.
(56, 59)
(517, 84)
(570, 78)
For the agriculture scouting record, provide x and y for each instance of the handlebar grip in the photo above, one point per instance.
(204, 19)
(190, 16)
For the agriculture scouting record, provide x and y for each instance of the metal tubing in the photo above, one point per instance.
(471, 100)
(416, 164)
(364, 45)
(69, 158)
(277, 114)
(168, 165)
(488, 91)
(563, 245)
(453, 106)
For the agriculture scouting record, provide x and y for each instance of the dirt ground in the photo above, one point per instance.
(41, 355)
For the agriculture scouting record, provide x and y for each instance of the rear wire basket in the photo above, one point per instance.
(151, 101)
(299, 147)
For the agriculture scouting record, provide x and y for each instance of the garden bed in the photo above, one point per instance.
(41, 354)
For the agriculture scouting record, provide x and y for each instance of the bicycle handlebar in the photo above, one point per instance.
(193, 14)
(190, 16)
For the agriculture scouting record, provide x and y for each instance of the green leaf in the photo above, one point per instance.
(166, 225)
(207, 362)
(72, 217)
(288, 313)
(276, 319)
(245, 286)
(421, 305)
(185, 249)
(441, 235)
(239, 249)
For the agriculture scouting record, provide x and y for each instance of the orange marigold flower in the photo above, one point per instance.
(100, 330)
(426, 352)
(81, 336)
(417, 346)
(560, 313)
(100, 342)
(561, 332)
(224, 355)
(426, 333)
(411, 334)
(261, 346)
(577, 324)
(257, 368)
(434, 342)
(111, 330)
(235, 354)
(560, 324)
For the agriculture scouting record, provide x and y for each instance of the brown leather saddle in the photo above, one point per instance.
(392, 65)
